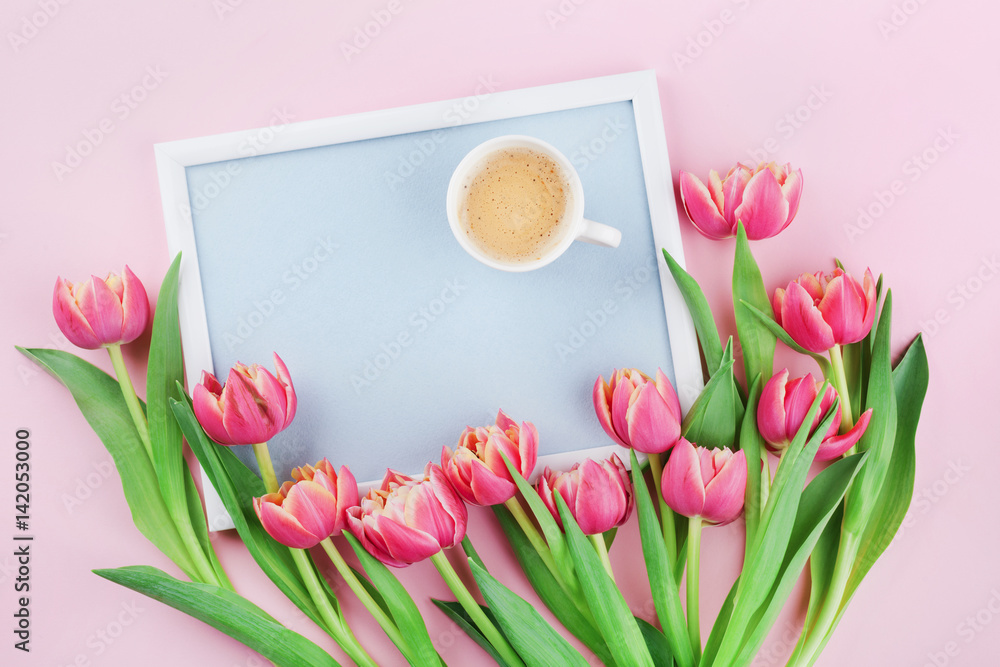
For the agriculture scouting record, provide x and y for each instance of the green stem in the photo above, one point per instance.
(537, 541)
(266, 467)
(694, 559)
(666, 514)
(601, 547)
(334, 623)
(474, 611)
(362, 593)
(839, 380)
(834, 596)
(131, 400)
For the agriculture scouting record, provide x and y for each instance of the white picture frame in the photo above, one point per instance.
(639, 88)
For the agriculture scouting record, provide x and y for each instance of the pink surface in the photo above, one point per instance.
(888, 107)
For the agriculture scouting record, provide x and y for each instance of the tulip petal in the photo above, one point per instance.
(764, 210)
(245, 414)
(799, 396)
(313, 506)
(733, 188)
(771, 410)
(528, 445)
(791, 190)
(835, 447)
(682, 486)
(285, 528)
(208, 411)
(669, 395)
(619, 407)
(702, 209)
(598, 503)
(102, 309)
(406, 544)
(488, 488)
(652, 425)
(843, 307)
(724, 495)
(803, 321)
(602, 407)
(135, 306)
(69, 318)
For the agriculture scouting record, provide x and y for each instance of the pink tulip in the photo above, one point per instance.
(476, 468)
(598, 494)
(305, 512)
(638, 412)
(819, 311)
(709, 483)
(251, 408)
(97, 313)
(409, 519)
(783, 407)
(764, 199)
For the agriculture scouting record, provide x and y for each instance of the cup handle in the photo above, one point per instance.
(598, 234)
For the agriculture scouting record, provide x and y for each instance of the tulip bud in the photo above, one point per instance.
(409, 519)
(764, 199)
(252, 407)
(305, 512)
(476, 468)
(819, 311)
(598, 494)
(97, 313)
(782, 410)
(707, 483)
(638, 412)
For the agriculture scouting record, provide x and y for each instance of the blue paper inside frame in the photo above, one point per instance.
(340, 258)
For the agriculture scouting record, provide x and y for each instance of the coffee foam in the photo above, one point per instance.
(514, 204)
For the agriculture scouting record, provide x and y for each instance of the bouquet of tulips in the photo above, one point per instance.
(741, 450)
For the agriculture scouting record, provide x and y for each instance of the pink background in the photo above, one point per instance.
(889, 83)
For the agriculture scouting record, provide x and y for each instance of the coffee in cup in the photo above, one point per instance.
(515, 203)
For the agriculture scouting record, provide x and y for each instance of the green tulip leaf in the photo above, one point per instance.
(656, 644)
(758, 483)
(531, 636)
(226, 611)
(662, 584)
(99, 397)
(748, 288)
(611, 613)
(237, 485)
(819, 503)
(714, 419)
(571, 612)
(398, 604)
(701, 313)
(458, 615)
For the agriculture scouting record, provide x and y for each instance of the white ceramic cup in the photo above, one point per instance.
(578, 229)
